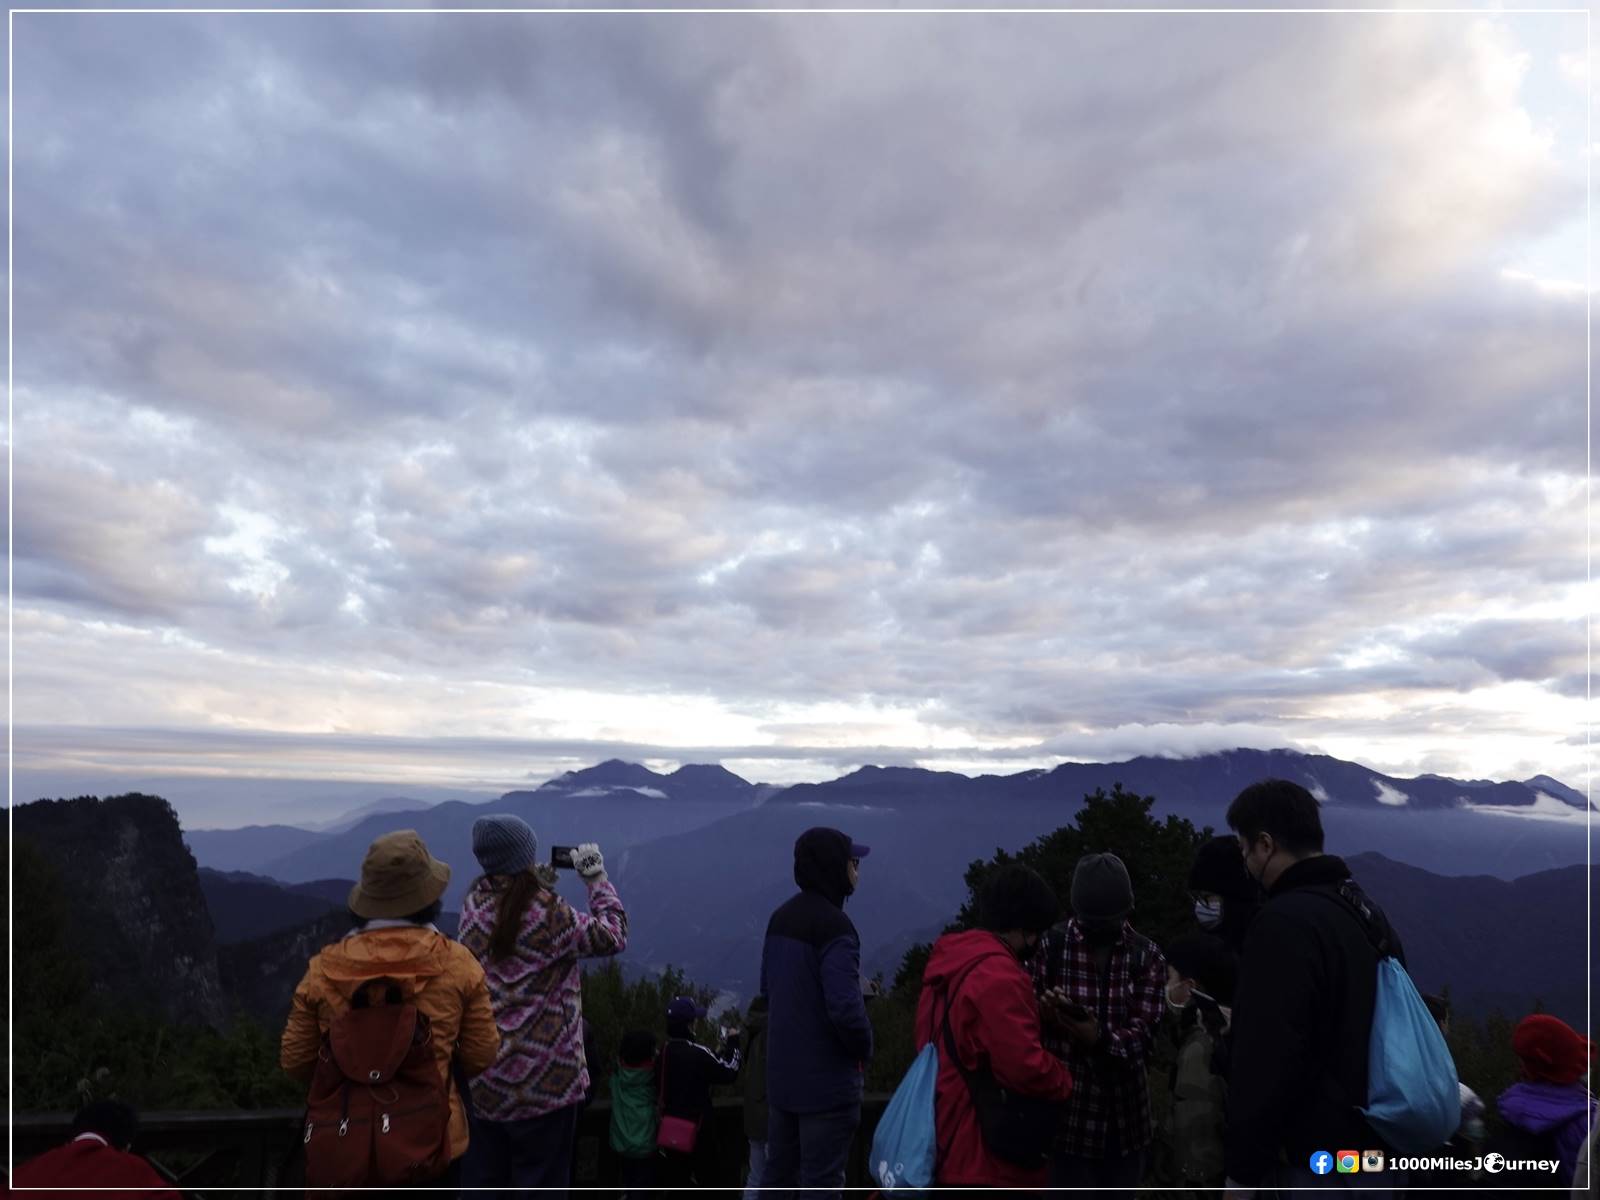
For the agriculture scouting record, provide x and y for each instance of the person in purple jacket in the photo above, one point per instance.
(818, 1037)
(1550, 1112)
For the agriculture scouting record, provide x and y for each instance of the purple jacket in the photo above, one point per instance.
(1562, 1114)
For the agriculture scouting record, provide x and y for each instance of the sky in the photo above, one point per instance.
(443, 401)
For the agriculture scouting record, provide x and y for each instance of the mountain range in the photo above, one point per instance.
(1484, 879)
(701, 856)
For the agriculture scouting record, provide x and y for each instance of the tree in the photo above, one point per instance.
(1157, 853)
(613, 1006)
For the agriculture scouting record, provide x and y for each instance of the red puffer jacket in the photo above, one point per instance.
(995, 1020)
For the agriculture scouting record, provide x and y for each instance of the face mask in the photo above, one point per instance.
(1259, 877)
(1102, 932)
(1173, 1004)
(1209, 915)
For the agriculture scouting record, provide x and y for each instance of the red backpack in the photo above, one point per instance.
(379, 1109)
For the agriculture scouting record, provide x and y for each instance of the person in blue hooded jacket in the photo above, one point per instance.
(818, 1037)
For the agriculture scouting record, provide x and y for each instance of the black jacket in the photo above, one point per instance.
(688, 1072)
(818, 1034)
(1302, 1020)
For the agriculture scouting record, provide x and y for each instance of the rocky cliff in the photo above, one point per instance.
(261, 974)
(132, 895)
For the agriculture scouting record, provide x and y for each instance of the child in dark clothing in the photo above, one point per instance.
(1550, 1112)
(633, 1110)
(688, 1073)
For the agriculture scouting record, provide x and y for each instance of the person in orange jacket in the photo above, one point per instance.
(981, 977)
(97, 1157)
(394, 905)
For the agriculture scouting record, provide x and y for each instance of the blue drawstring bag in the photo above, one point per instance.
(904, 1147)
(1413, 1099)
(1413, 1092)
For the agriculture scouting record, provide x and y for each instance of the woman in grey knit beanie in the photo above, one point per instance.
(529, 941)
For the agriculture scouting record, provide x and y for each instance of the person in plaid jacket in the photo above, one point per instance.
(1105, 986)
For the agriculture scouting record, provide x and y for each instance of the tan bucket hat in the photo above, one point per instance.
(398, 877)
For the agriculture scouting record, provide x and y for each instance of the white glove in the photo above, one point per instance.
(587, 861)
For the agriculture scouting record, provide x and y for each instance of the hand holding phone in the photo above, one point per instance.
(561, 857)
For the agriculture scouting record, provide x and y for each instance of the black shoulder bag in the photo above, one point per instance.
(1015, 1129)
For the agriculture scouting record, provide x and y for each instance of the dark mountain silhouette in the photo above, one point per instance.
(261, 974)
(1494, 944)
(138, 915)
(244, 907)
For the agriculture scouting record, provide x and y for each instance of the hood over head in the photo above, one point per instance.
(821, 861)
(411, 955)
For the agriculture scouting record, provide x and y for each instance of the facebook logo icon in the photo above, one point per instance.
(1321, 1162)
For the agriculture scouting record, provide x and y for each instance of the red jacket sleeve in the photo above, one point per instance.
(996, 1017)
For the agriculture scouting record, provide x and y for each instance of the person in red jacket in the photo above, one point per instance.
(994, 1017)
(97, 1157)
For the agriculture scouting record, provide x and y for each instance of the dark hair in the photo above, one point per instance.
(423, 916)
(525, 885)
(1438, 1006)
(1281, 808)
(1204, 958)
(111, 1119)
(1017, 897)
(638, 1047)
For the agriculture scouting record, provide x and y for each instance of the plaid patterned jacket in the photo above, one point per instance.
(1109, 1112)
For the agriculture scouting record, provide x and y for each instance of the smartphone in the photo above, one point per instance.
(561, 857)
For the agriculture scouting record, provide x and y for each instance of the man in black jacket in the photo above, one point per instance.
(819, 1039)
(1302, 1013)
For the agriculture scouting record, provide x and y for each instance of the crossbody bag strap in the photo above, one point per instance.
(949, 1003)
(955, 1056)
(1350, 900)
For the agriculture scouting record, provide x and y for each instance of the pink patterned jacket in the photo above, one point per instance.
(537, 998)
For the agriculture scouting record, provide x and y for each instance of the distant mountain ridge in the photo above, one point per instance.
(1203, 780)
(244, 907)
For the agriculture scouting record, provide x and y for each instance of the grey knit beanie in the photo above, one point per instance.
(503, 844)
(1101, 887)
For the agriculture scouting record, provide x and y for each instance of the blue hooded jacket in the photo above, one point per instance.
(818, 1037)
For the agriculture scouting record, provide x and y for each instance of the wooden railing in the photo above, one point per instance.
(261, 1148)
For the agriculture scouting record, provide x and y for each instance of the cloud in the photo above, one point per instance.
(736, 370)
(1391, 796)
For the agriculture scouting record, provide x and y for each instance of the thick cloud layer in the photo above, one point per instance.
(941, 381)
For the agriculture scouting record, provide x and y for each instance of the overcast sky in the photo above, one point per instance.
(452, 399)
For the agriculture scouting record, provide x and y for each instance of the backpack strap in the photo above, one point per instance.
(1350, 897)
(949, 1002)
(967, 1077)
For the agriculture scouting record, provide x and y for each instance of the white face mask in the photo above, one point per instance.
(1173, 1004)
(1209, 915)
